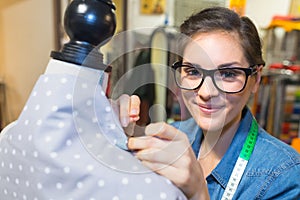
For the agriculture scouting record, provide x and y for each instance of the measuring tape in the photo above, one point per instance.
(241, 162)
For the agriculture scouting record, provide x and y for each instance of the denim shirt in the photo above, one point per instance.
(273, 171)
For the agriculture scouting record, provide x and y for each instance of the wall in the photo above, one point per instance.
(261, 12)
(26, 38)
(119, 14)
(137, 20)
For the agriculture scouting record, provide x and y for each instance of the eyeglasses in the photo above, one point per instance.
(227, 80)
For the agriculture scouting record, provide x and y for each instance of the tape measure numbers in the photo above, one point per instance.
(241, 162)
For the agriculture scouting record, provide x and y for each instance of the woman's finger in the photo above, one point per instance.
(129, 109)
(134, 109)
(164, 131)
(124, 103)
(160, 156)
(154, 149)
(159, 168)
(144, 142)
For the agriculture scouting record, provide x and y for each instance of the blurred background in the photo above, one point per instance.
(31, 29)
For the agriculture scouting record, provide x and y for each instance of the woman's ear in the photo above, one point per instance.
(257, 79)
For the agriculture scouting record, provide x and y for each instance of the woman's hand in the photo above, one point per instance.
(128, 109)
(167, 151)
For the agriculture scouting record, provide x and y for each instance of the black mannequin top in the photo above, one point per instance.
(89, 24)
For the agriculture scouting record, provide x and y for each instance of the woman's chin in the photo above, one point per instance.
(211, 124)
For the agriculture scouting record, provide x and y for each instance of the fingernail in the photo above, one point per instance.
(134, 112)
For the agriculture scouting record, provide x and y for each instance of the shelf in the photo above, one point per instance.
(288, 23)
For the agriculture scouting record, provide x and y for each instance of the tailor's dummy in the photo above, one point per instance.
(67, 143)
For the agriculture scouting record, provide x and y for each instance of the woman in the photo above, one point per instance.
(220, 69)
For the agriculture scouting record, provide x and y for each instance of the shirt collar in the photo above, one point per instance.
(223, 170)
(193, 132)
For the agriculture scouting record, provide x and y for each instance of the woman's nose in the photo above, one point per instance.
(208, 89)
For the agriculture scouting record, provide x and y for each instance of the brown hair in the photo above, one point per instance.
(224, 19)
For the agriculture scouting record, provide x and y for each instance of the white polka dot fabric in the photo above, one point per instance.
(68, 144)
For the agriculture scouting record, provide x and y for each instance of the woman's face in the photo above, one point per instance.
(212, 109)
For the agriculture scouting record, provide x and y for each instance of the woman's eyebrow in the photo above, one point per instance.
(226, 65)
(192, 64)
(187, 63)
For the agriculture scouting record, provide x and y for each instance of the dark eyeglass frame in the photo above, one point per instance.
(251, 70)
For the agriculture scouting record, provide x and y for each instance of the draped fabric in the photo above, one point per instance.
(68, 144)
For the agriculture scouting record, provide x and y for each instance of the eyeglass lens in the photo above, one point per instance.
(227, 79)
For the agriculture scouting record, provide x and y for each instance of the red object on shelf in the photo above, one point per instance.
(286, 18)
(285, 127)
(294, 68)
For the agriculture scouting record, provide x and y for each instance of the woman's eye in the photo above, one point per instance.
(191, 71)
(229, 73)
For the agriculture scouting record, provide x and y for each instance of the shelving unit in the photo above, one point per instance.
(277, 103)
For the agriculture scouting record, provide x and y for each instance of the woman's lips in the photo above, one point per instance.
(209, 109)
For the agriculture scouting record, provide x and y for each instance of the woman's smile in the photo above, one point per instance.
(209, 108)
